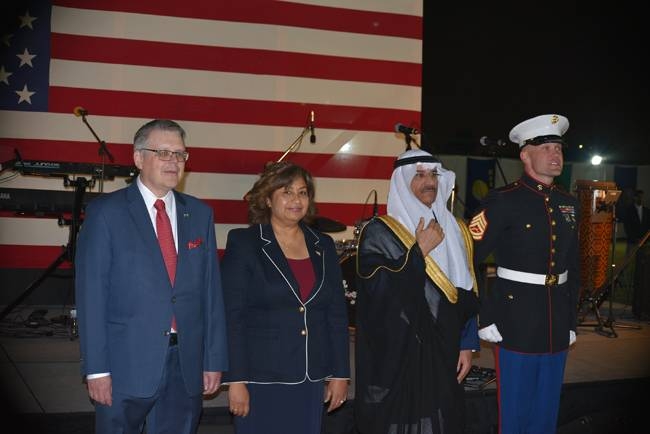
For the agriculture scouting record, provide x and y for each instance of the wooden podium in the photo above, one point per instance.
(596, 226)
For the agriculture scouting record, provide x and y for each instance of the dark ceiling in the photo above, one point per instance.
(483, 73)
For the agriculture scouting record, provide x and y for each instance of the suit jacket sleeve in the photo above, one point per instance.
(93, 260)
(484, 245)
(236, 280)
(216, 347)
(469, 337)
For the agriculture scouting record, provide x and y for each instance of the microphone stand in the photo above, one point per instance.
(492, 151)
(103, 152)
(298, 141)
(295, 145)
(291, 148)
(408, 139)
(359, 224)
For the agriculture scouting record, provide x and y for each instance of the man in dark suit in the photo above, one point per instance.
(149, 300)
(636, 220)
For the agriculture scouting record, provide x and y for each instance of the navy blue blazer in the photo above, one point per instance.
(273, 336)
(125, 300)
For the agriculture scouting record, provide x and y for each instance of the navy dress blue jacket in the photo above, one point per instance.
(273, 336)
(531, 227)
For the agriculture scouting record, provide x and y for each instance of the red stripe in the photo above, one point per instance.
(14, 256)
(36, 257)
(226, 110)
(348, 214)
(208, 160)
(236, 211)
(32, 215)
(266, 12)
(497, 367)
(67, 151)
(251, 61)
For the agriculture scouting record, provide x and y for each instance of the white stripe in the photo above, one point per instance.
(328, 190)
(32, 231)
(116, 130)
(46, 232)
(228, 186)
(174, 81)
(408, 7)
(233, 34)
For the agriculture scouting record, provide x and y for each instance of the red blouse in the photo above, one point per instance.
(304, 274)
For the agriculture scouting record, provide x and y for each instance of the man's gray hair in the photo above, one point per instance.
(141, 138)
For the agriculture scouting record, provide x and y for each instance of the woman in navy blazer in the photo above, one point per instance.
(285, 310)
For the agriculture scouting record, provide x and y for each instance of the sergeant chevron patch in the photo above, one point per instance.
(478, 225)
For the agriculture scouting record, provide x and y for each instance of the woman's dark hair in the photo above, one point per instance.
(275, 176)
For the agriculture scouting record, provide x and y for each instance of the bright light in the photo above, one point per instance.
(580, 146)
(345, 148)
(596, 160)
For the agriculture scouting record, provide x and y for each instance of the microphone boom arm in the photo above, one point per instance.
(103, 150)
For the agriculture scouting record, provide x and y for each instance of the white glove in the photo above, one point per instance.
(490, 333)
(572, 337)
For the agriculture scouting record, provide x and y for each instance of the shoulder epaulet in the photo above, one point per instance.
(512, 186)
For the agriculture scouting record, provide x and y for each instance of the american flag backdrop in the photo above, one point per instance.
(242, 78)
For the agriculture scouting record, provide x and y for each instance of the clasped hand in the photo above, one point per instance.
(428, 237)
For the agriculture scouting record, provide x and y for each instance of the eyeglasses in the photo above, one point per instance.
(166, 154)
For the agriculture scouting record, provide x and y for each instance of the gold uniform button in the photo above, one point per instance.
(303, 332)
(552, 263)
(553, 223)
(553, 250)
(301, 309)
(547, 198)
(511, 297)
(528, 225)
(550, 209)
(554, 237)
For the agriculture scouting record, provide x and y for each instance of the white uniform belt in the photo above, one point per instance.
(535, 279)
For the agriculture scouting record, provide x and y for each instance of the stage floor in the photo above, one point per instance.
(39, 367)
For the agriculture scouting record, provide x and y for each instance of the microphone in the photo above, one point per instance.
(312, 136)
(400, 128)
(486, 141)
(375, 206)
(80, 111)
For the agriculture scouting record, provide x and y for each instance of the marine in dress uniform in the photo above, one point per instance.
(531, 226)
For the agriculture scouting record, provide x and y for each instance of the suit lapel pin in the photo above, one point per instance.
(186, 214)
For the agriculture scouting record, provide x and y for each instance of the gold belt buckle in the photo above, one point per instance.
(551, 279)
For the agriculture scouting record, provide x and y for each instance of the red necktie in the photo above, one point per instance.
(166, 241)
